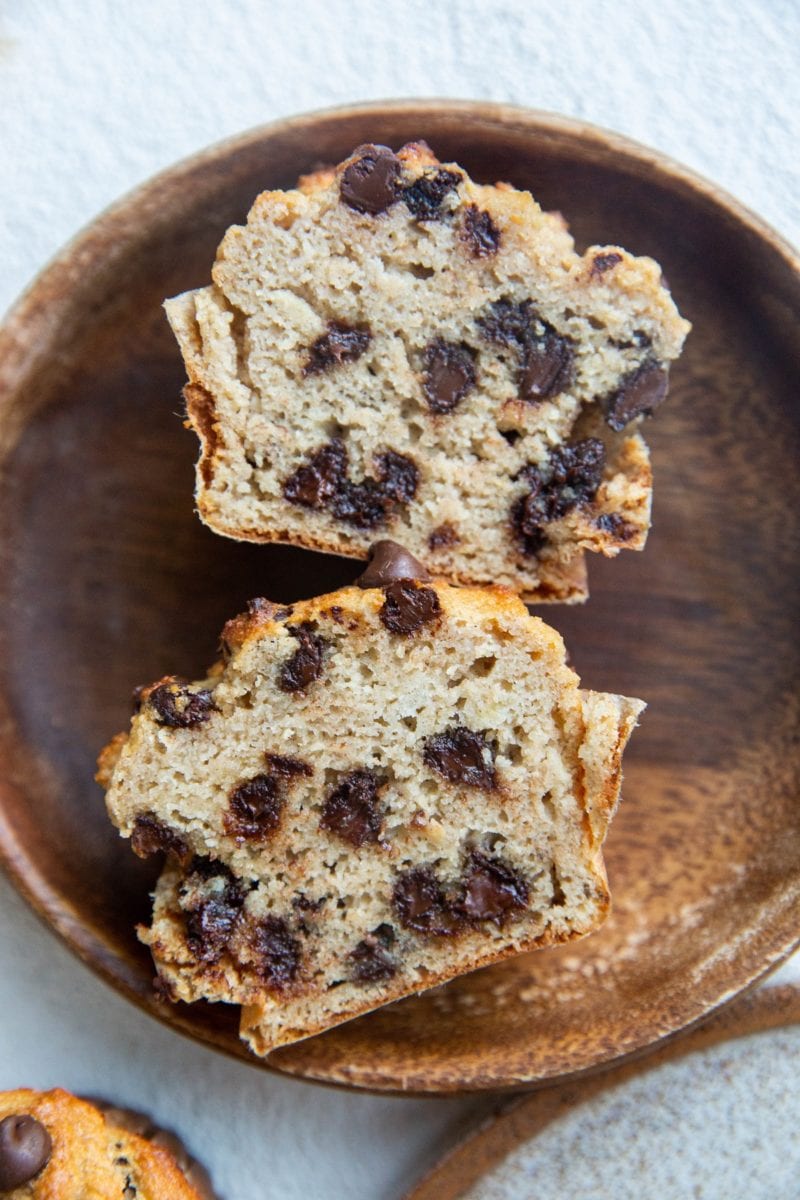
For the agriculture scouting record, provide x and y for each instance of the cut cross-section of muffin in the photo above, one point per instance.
(393, 348)
(375, 791)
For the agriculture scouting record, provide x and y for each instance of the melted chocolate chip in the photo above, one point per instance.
(210, 920)
(639, 393)
(284, 767)
(180, 708)
(323, 483)
(407, 607)
(314, 484)
(369, 961)
(341, 344)
(210, 925)
(421, 903)
(305, 665)
(389, 561)
(507, 322)
(546, 367)
(491, 889)
(361, 504)
(399, 477)
(254, 809)
(545, 356)
(571, 477)
(480, 232)
(371, 183)
(424, 197)
(278, 950)
(25, 1148)
(463, 756)
(449, 374)
(352, 810)
(445, 534)
(151, 836)
(604, 262)
(203, 869)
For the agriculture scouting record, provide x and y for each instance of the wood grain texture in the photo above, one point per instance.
(109, 580)
(486, 1145)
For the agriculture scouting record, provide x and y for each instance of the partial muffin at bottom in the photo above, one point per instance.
(56, 1146)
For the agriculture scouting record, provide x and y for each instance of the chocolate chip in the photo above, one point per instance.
(180, 708)
(545, 356)
(449, 374)
(367, 504)
(421, 903)
(399, 476)
(323, 483)
(480, 232)
(209, 926)
(137, 697)
(211, 917)
(407, 607)
(571, 477)
(604, 262)
(617, 526)
(254, 809)
(389, 561)
(284, 767)
(278, 950)
(25, 1148)
(361, 504)
(424, 197)
(352, 810)
(445, 534)
(305, 665)
(463, 756)
(512, 436)
(371, 183)
(151, 836)
(491, 889)
(370, 961)
(638, 394)
(546, 367)
(507, 322)
(341, 344)
(204, 868)
(314, 484)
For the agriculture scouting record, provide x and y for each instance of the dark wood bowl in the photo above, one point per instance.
(108, 580)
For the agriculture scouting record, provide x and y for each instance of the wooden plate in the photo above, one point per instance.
(108, 580)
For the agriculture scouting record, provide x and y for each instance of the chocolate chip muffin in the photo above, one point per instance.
(393, 348)
(54, 1146)
(373, 792)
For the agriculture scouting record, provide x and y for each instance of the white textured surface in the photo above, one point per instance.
(699, 1127)
(95, 97)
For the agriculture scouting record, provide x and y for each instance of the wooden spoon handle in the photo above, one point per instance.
(512, 1123)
